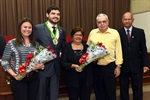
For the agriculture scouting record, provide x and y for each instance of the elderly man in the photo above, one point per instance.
(135, 58)
(107, 68)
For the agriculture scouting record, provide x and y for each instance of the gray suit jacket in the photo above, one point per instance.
(44, 38)
(2, 45)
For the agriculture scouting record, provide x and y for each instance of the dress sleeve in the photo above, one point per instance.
(64, 60)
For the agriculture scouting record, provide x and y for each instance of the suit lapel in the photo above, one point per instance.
(133, 35)
(124, 36)
(60, 35)
(48, 34)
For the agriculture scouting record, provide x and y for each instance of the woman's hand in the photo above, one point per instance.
(75, 66)
(12, 73)
(38, 66)
(15, 76)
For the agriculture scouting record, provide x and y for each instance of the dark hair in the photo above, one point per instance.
(19, 38)
(52, 8)
(77, 29)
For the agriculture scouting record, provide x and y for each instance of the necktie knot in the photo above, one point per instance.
(54, 29)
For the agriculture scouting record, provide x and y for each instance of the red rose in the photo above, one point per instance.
(84, 55)
(48, 47)
(27, 63)
(29, 56)
(52, 50)
(22, 69)
(104, 47)
(81, 61)
(99, 44)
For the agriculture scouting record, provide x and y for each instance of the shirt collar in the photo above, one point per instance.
(49, 24)
(27, 45)
(107, 31)
(128, 29)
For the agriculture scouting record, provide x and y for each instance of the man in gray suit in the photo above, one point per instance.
(47, 35)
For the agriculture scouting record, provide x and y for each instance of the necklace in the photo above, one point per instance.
(78, 52)
(77, 49)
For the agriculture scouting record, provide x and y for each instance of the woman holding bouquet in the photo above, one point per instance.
(16, 50)
(78, 83)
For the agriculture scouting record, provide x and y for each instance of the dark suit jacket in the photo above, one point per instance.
(134, 53)
(44, 38)
(2, 45)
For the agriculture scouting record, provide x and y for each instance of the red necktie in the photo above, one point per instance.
(128, 35)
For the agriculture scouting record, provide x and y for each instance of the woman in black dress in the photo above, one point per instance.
(78, 83)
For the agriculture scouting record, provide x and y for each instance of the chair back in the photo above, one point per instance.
(69, 38)
(8, 37)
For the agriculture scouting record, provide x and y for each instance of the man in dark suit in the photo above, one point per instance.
(55, 38)
(135, 58)
(2, 45)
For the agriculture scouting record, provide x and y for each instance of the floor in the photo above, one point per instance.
(146, 95)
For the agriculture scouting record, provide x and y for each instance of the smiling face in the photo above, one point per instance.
(77, 37)
(26, 29)
(53, 16)
(102, 23)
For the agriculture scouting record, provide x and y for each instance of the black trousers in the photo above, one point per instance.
(136, 82)
(26, 89)
(48, 88)
(105, 82)
(81, 92)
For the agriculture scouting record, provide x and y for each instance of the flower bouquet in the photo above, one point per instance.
(42, 55)
(94, 51)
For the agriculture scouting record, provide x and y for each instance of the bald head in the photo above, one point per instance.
(127, 14)
(127, 19)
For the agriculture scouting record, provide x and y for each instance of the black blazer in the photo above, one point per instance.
(2, 45)
(44, 38)
(135, 55)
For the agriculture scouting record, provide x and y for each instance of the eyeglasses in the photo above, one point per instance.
(100, 22)
(78, 35)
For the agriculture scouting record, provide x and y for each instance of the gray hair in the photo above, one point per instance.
(100, 15)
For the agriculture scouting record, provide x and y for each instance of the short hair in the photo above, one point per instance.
(52, 8)
(101, 14)
(19, 37)
(77, 29)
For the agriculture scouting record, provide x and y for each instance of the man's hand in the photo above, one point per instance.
(145, 69)
(117, 71)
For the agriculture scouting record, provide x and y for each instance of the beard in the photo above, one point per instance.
(53, 21)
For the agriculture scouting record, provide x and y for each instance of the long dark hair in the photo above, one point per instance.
(19, 37)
